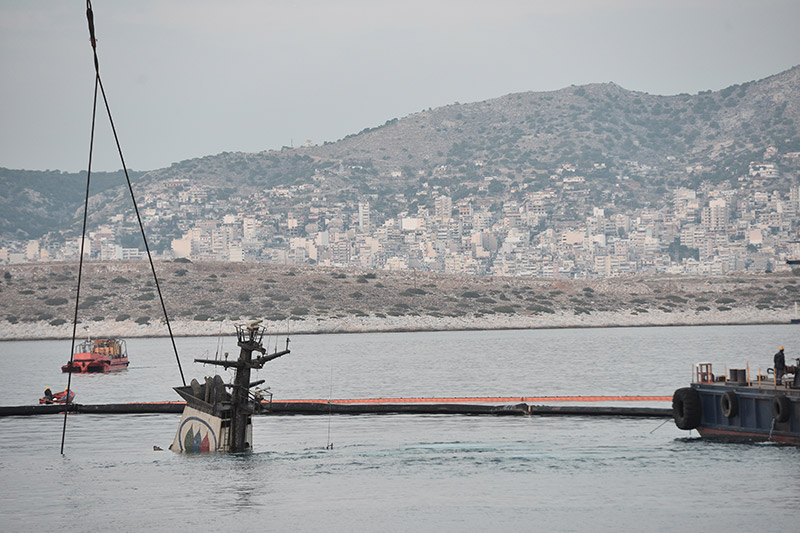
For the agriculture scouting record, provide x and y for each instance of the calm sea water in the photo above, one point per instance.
(398, 472)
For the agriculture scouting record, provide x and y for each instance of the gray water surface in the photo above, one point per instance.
(400, 472)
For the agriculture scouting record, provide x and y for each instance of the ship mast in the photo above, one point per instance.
(242, 404)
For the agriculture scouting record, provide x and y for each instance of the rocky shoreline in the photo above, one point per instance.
(371, 324)
(119, 298)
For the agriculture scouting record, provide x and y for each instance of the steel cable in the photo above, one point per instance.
(99, 83)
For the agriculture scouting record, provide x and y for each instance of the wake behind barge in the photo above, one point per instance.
(738, 408)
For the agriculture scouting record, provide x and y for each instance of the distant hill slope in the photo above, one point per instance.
(36, 202)
(591, 123)
(535, 131)
(517, 134)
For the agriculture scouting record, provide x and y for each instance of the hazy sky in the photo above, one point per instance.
(188, 78)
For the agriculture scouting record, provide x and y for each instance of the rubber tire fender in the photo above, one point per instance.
(781, 408)
(686, 408)
(729, 404)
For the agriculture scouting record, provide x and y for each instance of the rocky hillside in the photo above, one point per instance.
(204, 295)
(34, 203)
(721, 131)
(588, 124)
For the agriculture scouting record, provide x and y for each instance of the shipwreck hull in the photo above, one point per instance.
(216, 420)
(200, 431)
(206, 421)
(197, 432)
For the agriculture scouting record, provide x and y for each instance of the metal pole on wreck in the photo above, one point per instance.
(236, 420)
(249, 338)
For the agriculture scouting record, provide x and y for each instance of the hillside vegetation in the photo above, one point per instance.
(211, 292)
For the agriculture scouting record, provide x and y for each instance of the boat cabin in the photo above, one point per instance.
(111, 348)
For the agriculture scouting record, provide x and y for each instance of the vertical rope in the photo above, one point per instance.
(80, 261)
(90, 18)
(141, 228)
(99, 83)
(329, 446)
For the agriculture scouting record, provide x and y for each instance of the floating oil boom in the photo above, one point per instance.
(472, 406)
(215, 420)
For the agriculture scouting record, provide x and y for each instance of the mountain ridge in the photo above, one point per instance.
(723, 130)
(527, 134)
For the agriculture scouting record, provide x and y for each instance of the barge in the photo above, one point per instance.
(740, 407)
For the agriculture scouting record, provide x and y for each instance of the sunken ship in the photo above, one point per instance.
(217, 415)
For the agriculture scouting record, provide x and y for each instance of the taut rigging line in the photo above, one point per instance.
(99, 83)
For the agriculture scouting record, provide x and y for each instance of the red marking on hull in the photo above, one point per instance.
(747, 435)
(88, 363)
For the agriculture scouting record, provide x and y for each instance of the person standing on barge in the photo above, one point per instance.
(780, 366)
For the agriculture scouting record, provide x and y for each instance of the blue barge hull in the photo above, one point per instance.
(740, 410)
(754, 413)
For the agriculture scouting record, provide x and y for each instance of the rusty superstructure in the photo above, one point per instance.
(217, 416)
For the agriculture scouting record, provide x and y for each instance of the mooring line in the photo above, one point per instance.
(659, 426)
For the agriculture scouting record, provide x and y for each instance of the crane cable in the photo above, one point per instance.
(80, 266)
(99, 83)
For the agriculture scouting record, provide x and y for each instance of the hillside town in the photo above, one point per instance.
(504, 226)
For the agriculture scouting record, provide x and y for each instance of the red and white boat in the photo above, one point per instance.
(58, 397)
(101, 355)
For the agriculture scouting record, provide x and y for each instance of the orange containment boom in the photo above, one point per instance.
(503, 406)
(495, 399)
